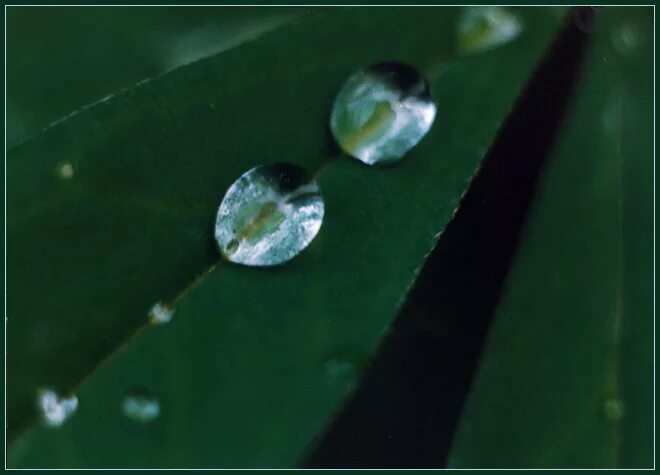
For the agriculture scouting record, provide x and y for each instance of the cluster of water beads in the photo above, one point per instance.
(141, 406)
(55, 410)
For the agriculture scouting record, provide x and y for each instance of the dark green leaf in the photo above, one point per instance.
(60, 59)
(255, 361)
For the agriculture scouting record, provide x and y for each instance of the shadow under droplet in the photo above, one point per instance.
(405, 411)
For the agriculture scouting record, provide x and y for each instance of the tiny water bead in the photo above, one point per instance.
(160, 313)
(381, 112)
(482, 28)
(269, 215)
(65, 171)
(55, 410)
(141, 406)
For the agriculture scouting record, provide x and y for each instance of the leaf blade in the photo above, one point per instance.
(549, 391)
(246, 326)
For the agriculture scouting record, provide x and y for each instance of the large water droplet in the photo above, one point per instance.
(482, 28)
(381, 112)
(55, 410)
(269, 215)
(141, 406)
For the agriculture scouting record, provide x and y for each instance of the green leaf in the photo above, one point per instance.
(566, 377)
(255, 361)
(114, 49)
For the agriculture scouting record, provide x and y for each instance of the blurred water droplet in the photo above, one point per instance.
(65, 170)
(482, 28)
(55, 410)
(614, 409)
(337, 367)
(381, 112)
(625, 39)
(141, 406)
(269, 215)
(160, 313)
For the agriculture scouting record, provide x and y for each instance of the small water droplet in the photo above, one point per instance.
(485, 27)
(269, 215)
(55, 410)
(160, 313)
(344, 362)
(614, 409)
(141, 406)
(337, 367)
(381, 112)
(65, 170)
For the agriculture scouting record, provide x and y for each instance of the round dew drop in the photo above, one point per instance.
(269, 215)
(381, 112)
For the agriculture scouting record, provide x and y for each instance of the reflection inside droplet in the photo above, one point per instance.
(55, 410)
(269, 215)
(141, 406)
(482, 28)
(160, 313)
(381, 112)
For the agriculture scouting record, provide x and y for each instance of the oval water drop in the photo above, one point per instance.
(381, 112)
(269, 215)
(141, 406)
(482, 28)
(55, 410)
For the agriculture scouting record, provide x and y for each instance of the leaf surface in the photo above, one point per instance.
(256, 361)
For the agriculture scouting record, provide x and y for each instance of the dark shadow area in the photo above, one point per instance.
(406, 410)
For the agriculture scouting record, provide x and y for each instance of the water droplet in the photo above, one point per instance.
(381, 112)
(65, 170)
(625, 38)
(614, 409)
(344, 362)
(337, 367)
(141, 406)
(55, 410)
(482, 28)
(269, 215)
(160, 313)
